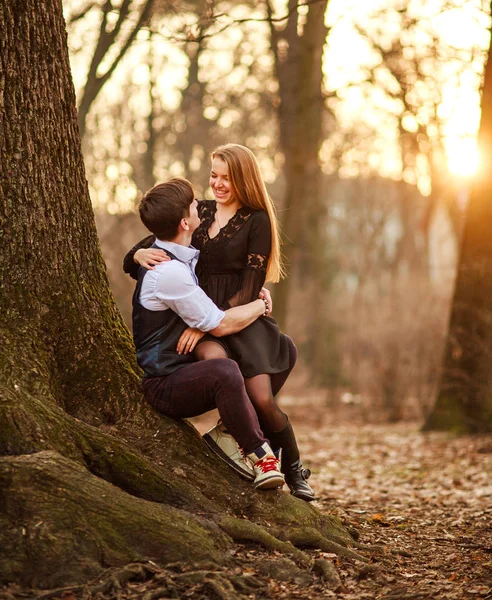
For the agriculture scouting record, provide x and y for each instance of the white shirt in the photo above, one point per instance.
(173, 285)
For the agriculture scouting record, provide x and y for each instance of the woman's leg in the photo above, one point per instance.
(260, 392)
(277, 427)
(278, 379)
(295, 475)
(209, 350)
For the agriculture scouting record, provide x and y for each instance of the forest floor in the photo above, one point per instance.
(425, 499)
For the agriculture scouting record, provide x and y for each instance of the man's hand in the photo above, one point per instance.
(188, 340)
(149, 257)
(265, 295)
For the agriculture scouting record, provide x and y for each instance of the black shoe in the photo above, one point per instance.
(296, 478)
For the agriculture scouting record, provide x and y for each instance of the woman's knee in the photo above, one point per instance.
(265, 404)
(210, 351)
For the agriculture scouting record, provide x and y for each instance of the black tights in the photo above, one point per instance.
(261, 389)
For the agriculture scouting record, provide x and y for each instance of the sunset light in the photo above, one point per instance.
(463, 157)
(246, 245)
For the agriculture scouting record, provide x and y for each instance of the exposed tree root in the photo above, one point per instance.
(286, 540)
(45, 426)
(76, 497)
(59, 524)
(110, 581)
(242, 530)
(312, 538)
(327, 571)
(211, 580)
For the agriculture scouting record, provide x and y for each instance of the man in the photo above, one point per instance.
(168, 300)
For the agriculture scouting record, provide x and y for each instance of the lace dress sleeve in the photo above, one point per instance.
(259, 248)
(129, 265)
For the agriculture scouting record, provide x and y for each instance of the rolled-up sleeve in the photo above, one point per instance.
(178, 290)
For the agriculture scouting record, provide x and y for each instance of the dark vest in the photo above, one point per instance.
(156, 334)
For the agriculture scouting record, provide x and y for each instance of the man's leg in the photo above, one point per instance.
(218, 438)
(201, 386)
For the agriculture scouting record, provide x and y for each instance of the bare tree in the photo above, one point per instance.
(464, 400)
(111, 33)
(414, 69)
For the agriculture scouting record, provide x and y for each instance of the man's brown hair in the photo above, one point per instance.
(162, 207)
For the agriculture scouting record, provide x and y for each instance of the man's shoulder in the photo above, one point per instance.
(169, 279)
(172, 268)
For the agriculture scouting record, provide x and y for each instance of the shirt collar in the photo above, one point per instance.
(183, 253)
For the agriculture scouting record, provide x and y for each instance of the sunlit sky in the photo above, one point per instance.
(464, 27)
(346, 60)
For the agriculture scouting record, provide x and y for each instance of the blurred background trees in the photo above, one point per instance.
(464, 399)
(363, 117)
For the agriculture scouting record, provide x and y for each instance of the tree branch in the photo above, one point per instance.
(106, 40)
(190, 37)
(81, 14)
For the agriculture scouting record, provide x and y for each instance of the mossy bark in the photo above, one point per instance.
(90, 476)
(61, 524)
(464, 401)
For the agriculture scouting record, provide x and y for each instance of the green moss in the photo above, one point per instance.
(61, 524)
(245, 531)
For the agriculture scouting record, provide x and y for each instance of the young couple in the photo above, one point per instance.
(201, 323)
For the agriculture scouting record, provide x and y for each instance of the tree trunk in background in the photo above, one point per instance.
(89, 476)
(148, 158)
(197, 127)
(298, 53)
(464, 401)
(298, 67)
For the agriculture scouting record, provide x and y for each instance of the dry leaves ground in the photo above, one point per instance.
(424, 500)
(427, 498)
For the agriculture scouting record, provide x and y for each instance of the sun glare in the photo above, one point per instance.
(463, 157)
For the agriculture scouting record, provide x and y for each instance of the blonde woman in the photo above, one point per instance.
(239, 247)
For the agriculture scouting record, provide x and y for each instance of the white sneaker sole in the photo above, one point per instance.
(271, 482)
(221, 454)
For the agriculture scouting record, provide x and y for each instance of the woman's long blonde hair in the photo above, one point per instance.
(249, 188)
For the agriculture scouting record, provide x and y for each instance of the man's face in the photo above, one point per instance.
(193, 220)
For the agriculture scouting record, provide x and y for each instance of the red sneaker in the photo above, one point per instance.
(267, 468)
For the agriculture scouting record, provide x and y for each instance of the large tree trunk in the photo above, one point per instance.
(464, 401)
(89, 476)
(298, 67)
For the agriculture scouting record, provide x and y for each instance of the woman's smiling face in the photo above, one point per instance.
(219, 181)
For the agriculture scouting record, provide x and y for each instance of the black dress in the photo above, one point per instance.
(231, 269)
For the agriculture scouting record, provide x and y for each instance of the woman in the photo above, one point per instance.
(239, 249)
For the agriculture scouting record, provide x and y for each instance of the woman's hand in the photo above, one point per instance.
(188, 340)
(149, 257)
(265, 295)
